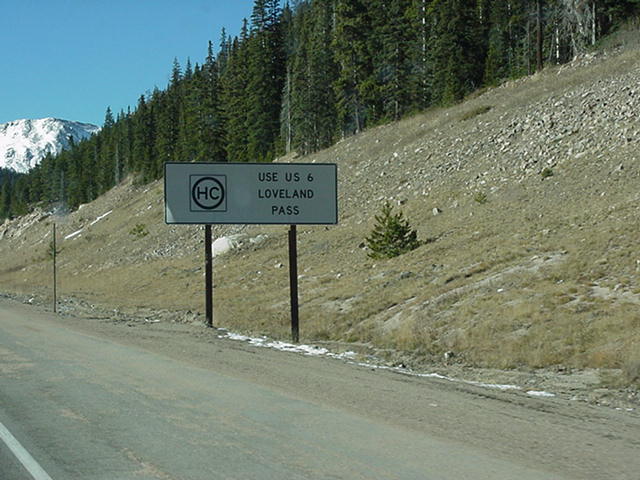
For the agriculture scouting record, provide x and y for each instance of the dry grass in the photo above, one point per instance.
(631, 368)
(541, 273)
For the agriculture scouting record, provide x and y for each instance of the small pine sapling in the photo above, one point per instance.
(392, 235)
(53, 250)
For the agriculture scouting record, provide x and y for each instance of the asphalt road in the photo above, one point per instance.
(112, 402)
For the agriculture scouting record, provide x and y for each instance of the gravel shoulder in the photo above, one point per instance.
(569, 438)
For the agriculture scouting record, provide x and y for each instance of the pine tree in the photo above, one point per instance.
(457, 50)
(5, 195)
(355, 64)
(324, 71)
(498, 55)
(121, 148)
(106, 149)
(290, 44)
(20, 193)
(235, 99)
(266, 79)
(298, 101)
(311, 78)
(167, 115)
(610, 14)
(37, 183)
(176, 73)
(188, 70)
(419, 81)
(77, 187)
(143, 140)
(168, 110)
(211, 129)
(392, 235)
(392, 58)
(225, 51)
(108, 119)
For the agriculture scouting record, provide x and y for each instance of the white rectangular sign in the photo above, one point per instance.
(251, 193)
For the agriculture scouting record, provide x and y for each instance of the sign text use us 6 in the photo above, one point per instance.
(251, 193)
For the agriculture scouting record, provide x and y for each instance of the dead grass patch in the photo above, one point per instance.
(473, 113)
(543, 274)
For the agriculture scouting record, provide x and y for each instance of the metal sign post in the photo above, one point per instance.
(208, 281)
(252, 193)
(293, 282)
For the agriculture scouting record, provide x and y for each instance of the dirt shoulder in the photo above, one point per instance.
(568, 437)
(575, 386)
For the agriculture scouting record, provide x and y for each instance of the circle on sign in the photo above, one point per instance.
(208, 193)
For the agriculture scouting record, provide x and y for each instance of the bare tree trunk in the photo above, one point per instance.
(356, 101)
(287, 113)
(557, 49)
(116, 172)
(289, 132)
(593, 23)
(578, 20)
(538, 35)
(424, 52)
(528, 47)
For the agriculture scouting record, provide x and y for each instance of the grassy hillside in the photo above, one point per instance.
(527, 194)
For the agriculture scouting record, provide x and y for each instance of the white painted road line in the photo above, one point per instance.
(21, 454)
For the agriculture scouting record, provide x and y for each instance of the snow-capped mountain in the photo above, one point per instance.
(23, 143)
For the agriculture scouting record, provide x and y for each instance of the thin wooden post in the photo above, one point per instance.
(55, 279)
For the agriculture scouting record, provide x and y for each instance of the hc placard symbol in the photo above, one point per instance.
(208, 193)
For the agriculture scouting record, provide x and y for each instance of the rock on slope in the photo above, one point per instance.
(522, 270)
(23, 143)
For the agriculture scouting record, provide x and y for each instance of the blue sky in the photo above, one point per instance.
(71, 59)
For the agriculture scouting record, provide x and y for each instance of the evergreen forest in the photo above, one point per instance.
(302, 76)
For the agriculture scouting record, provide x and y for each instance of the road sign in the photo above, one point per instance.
(251, 193)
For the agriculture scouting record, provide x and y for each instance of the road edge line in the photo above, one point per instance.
(25, 458)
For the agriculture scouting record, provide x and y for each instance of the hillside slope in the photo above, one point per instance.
(522, 270)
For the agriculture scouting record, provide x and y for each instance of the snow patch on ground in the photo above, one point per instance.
(535, 393)
(100, 218)
(74, 234)
(311, 350)
(406, 371)
(350, 357)
(78, 232)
